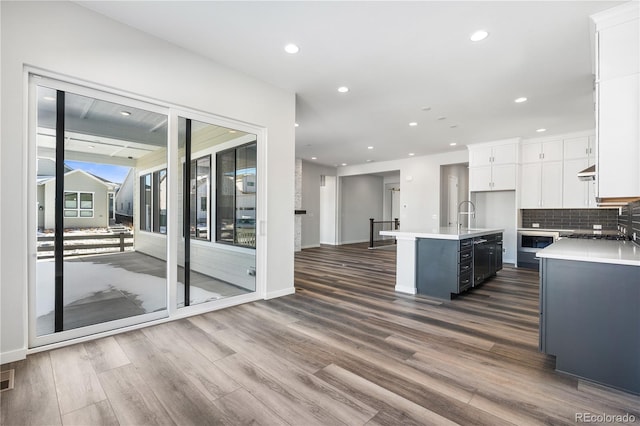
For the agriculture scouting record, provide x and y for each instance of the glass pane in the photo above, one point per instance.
(71, 200)
(162, 201)
(225, 196)
(45, 205)
(104, 277)
(86, 201)
(145, 202)
(201, 170)
(215, 270)
(245, 234)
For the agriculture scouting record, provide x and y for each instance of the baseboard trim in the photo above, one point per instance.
(12, 356)
(280, 293)
(311, 246)
(352, 242)
(407, 290)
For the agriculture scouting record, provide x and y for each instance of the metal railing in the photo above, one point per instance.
(375, 226)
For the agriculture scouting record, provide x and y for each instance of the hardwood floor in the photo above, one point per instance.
(345, 349)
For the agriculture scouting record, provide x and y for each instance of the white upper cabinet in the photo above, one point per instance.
(617, 54)
(580, 147)
(541, 185)
(542, 151)
(492, 166)
(576, 193)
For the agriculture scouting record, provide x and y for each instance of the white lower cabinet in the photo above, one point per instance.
(541, 185)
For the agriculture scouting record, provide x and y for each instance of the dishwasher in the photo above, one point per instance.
(481, 260)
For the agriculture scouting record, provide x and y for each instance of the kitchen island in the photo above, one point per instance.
(441, 262)
(590, 310)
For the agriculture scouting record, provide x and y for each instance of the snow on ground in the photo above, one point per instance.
(85, 279)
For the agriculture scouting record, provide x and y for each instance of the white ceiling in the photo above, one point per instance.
(396, 58)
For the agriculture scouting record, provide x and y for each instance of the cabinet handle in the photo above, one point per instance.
(465, 281)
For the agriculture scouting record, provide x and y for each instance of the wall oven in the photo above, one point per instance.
(529, 243)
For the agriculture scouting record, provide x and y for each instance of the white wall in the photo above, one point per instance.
(88, 46)
(420, 186)
(360, 200)
(461, 171)
(328, 211)
(311, 201)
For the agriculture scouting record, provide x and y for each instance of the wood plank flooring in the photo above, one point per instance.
(344, 350)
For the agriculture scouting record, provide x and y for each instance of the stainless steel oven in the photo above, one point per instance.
(530, 242)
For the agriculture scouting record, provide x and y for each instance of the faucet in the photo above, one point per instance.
(471, 213)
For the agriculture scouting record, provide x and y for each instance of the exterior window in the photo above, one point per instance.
(236, 196)
(200, 189)
(78, 204)
(153, 202)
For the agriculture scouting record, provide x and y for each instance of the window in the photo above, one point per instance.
(153, 202)
(200, 189)
(78, 204)
(236, 196)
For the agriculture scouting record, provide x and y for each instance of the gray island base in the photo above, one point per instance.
(446, 261)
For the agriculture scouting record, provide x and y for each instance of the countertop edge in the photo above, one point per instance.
(442, 235)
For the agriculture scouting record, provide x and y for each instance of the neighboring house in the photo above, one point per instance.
(86, 202)
(124, 198)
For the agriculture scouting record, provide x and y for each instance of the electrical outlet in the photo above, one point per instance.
(597, 226)
(535, 225)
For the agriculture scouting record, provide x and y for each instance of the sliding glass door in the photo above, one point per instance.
(101, 256)
(217, 192)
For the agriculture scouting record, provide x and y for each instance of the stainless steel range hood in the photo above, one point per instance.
(588, 174)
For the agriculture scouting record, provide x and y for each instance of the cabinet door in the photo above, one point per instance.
(552, 150)
(618, 50)
(505, 154)
(480, 178)
(574, 191)
(530, 186)
(577, 148)
(619, 150)
(551, 185)
(531, 153)
(503, 177)
(480, 156)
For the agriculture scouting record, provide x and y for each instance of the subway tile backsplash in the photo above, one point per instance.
(571, 218)
(629, 219)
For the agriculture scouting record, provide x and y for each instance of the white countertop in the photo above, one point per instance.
(601, 251)
(443, 233)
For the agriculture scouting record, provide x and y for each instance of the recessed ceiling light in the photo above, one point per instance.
(296, 125)
(343, 89)
(453, 144)
(369, 147)
(232, 131)
(49, 98)
(541, 130)
(314, 158)
(344, 164)
(291, 48)
(442, 118)
(125, 113)
(479, 35)
(426, 108)
(368, 161)
(91, 146)
(413, 124)
(411, 154)
(520, 100)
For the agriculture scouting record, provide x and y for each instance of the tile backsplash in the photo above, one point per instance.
(571, 218)
(629, 220)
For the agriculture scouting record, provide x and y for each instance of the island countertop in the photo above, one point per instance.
(443, 233)
(600, 251)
